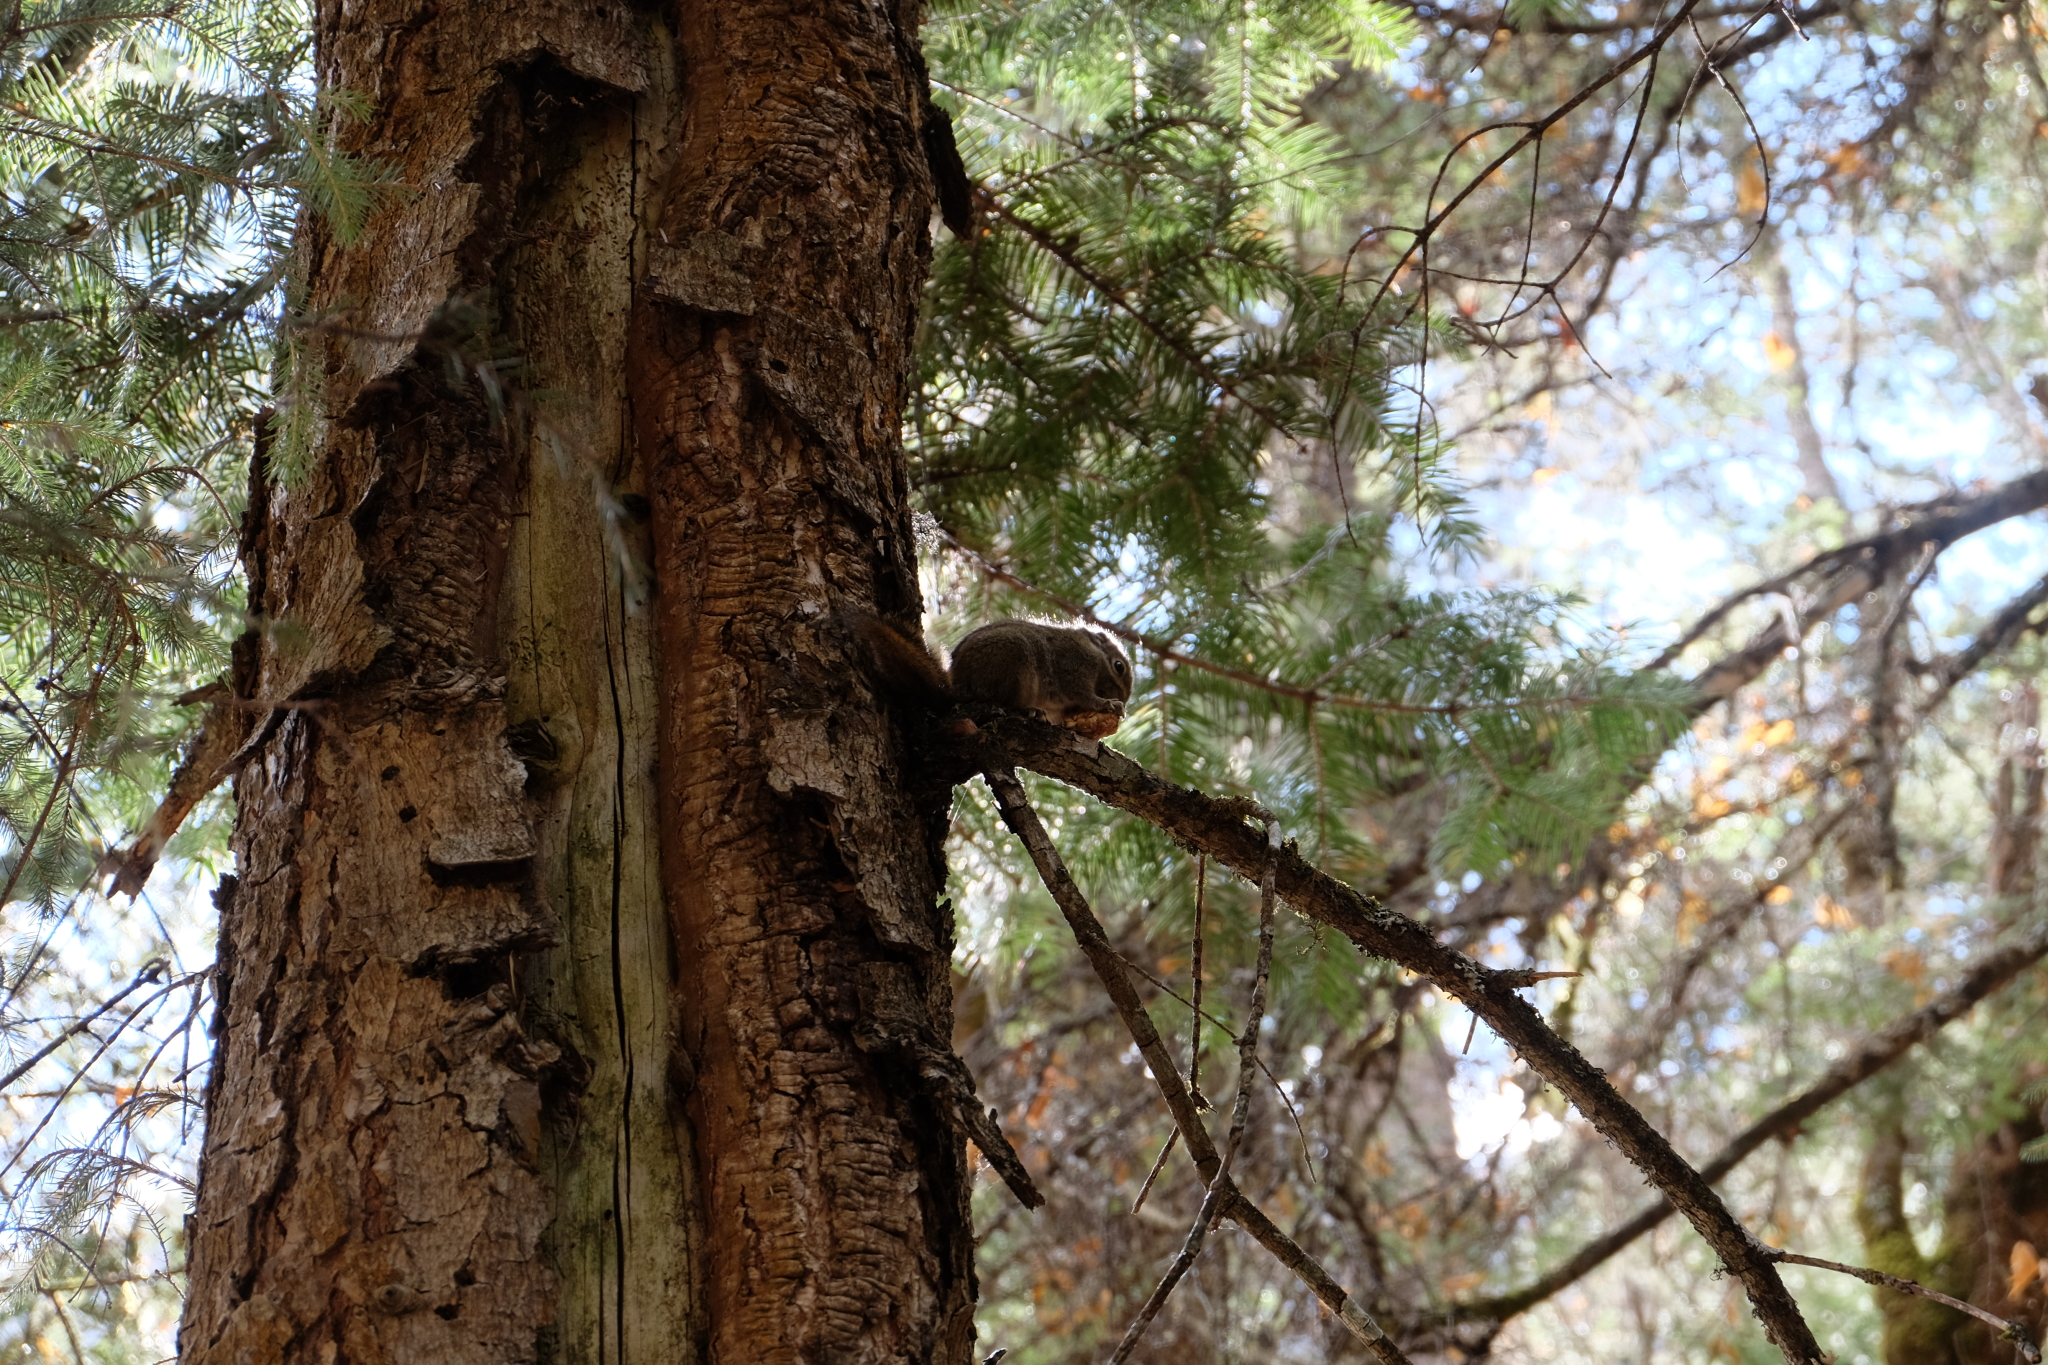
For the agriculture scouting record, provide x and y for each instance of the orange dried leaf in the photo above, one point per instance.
(1830, 913)
(1036, 1113)
(1751, 191)
(1847, 160)
(2026, 1266)
(1692, 913)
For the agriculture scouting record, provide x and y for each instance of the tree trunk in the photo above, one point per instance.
(580, 984)
(1916, 1330)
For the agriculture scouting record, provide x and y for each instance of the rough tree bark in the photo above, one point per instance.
(580, 985)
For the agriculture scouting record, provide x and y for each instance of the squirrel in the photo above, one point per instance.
(1072, 676)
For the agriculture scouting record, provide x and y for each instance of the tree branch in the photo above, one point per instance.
(2007, 1330)
(1102, 956)
(1854, 569)
(2013, 620)
(1218, 829)
(1880, 1050)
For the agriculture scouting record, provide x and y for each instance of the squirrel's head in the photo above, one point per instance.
(1119, 662)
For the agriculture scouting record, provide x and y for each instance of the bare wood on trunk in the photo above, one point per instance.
(800, 859)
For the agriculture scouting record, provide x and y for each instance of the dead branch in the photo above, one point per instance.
(1247, 1072)
(1094, 942)
(1532, 134)
(2007, 1330)
(1218, 829)
(1201, 1100)
(1880, 1050)
(212, 756)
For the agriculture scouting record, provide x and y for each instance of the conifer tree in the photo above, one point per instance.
(566, 381)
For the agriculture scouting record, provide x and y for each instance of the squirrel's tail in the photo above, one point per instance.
(901, 666)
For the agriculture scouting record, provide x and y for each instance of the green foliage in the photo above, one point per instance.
(1142, 387)
(2037, 1148)
(154, 163)
(1114, 361)
(99, 607)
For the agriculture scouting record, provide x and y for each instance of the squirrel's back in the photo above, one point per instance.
(1071, 676)
(1058, 671)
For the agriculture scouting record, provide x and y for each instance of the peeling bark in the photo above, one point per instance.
(769, 373)
(576, 863)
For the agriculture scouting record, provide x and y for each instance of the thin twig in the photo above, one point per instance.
(150, 973)
(1094, 942)
(2008, 1330)
(1195, 968)
(1145, 1190)
(1240, 1113)
(1532, 132)
(1278, 1089)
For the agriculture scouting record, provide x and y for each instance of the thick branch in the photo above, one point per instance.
(2013, 621)
(1218, 829)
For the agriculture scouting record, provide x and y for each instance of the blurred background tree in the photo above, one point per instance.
(1410, 384)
